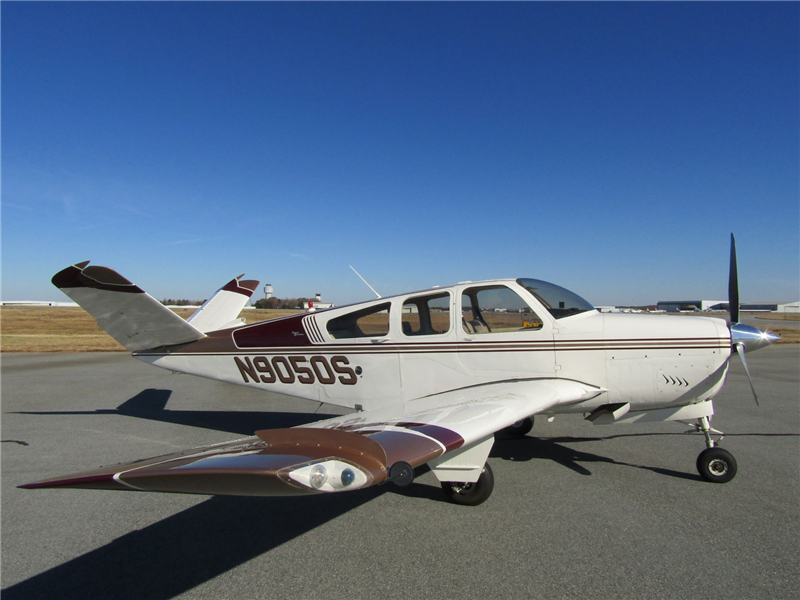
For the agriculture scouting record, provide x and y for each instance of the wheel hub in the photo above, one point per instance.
(718, 467)
(460, 488)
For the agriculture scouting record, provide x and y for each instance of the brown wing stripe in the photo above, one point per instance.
(255, 466)
(407, 447)
(318, 443)
(259, 466)
(449, 439)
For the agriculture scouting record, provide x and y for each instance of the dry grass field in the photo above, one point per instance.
(788, 335)
(61, 329)
(780, 316)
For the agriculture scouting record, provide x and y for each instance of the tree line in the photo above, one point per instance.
(274, 303)
(181, 302)
(271, 303)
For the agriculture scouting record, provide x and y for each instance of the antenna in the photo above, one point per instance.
(365, 281)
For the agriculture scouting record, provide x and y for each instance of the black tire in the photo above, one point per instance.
(470, 494)
(520, 428)
(716, 465)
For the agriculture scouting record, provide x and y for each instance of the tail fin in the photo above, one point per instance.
(128, 314)
(220, 311)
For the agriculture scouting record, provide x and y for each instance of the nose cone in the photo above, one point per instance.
(751, 338)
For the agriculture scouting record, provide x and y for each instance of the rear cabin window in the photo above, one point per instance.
(496, 309)
(368, 322)
(426, 315)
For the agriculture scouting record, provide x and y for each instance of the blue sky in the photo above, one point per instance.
(607, 147)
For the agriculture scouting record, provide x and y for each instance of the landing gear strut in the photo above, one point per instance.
(714, 464)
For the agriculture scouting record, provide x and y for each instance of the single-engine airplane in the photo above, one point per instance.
(433, 374)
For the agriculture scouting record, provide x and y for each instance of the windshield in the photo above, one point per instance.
(557, 300)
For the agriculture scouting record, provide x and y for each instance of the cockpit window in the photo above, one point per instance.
(558, 301)
(496, 309)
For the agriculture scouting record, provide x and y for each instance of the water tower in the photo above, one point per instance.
(268, 291)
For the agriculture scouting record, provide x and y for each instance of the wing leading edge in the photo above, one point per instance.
(346, 453)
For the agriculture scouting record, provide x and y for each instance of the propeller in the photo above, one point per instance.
(733, 284)
(744, 338)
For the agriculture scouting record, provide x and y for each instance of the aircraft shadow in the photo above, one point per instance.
(151, 404)
(187, 549)
(530, 448)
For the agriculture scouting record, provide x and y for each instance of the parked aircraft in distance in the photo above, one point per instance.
(433, 374)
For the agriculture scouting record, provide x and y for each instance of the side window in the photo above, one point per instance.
(496, 309)
(468, 316)
(426, 315)
(369, 322)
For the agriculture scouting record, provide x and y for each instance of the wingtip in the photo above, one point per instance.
(80, 275)
(245, 287)
(70, 275)
(104, 481)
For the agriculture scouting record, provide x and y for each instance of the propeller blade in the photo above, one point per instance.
(733, 284)
(744, 338)
(740, 352)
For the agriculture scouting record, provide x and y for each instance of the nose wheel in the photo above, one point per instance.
(714, 464)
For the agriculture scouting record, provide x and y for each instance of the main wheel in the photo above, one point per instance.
(716, 465)
(520, 428)
(470, 494)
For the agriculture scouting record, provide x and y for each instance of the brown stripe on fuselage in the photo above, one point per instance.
(220, 343)
(301, 334)
(282, 332)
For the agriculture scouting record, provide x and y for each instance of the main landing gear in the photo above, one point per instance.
(520, 428)
(470, 494)
(714, 464)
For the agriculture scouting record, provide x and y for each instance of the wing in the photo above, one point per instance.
(346, 453)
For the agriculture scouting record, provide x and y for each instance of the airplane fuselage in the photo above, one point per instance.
(411, 346)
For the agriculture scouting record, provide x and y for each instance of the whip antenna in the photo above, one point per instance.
(365, 281)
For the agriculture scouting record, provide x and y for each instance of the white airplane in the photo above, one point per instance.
(433, 374)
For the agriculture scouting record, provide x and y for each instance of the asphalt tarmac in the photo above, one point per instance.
(577, 511)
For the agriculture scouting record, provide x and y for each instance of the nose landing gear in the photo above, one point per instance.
(714, 464)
